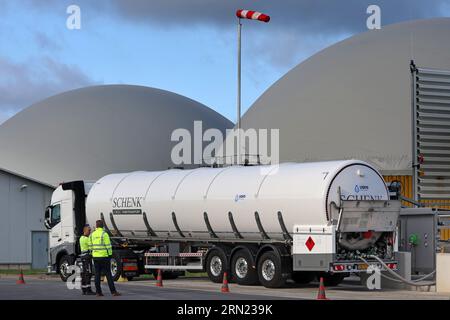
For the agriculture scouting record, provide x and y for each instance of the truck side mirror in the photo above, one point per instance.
(47, 220)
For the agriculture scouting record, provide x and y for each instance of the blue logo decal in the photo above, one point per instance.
(356, 189)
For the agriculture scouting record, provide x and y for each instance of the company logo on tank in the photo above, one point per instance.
(127, 202)
(127, 205)
(361, 188)
(239, 197)
(358, 196)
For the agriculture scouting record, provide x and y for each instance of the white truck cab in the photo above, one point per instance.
(60, 219)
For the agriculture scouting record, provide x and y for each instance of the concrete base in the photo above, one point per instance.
(443, 272)
(404, 270)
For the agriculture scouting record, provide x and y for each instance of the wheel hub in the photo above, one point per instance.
(268, 270)
(241, 267)
(113, 267)
(216, 266)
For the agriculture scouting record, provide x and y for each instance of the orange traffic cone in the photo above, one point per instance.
(321, 295)
(21, 280)
(225, 288)
(159, 279)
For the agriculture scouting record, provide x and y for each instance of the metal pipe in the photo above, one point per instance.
(238, 116)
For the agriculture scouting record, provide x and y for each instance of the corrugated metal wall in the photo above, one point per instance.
(431, 133)
(21, 211)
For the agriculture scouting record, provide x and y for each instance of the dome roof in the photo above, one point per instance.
(353, 99)
(94, 131)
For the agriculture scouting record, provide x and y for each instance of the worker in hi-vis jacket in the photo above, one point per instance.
(101, 254)
(86, 261)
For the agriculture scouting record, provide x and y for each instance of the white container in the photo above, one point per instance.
(302, 192)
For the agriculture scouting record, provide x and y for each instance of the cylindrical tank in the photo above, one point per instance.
(302, 192)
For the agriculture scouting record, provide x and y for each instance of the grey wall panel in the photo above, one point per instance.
(21, 212)
(19, 231)
(4, 218)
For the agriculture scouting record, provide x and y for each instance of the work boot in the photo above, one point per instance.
(116, 294)
(90, 293)
(99, 294)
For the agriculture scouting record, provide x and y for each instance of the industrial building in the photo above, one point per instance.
(82, 135)
(355, 100)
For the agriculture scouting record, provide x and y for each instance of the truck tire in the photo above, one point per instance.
(242, 270)
(270, 271)
(116, 267)
(303, 277)
(63, 267)
(332, 280)
(216, 265)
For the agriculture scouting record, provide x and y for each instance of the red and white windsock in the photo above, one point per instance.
(252, 15)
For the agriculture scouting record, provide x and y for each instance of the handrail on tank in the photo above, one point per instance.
(236, 232)
(175, 223)
(150, 231)
(260, 227)
(105, 226)
(116, 230)
(208, 226)
(286, 234)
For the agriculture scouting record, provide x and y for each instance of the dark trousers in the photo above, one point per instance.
(103, 267)
(86, 273)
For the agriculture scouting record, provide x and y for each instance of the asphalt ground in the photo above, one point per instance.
(52, 288)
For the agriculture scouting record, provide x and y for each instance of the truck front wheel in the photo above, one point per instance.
(216, 265)
(64, 267)
(116, 267)
(270, 271)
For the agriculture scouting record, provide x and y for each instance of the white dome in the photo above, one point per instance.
(91, 132)
(353, 99)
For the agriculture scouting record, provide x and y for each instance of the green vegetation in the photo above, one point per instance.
(25, 272)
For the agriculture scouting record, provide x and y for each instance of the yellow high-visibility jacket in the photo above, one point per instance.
(85, 244)
(100, 244)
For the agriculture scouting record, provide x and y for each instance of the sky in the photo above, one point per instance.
(184, 46)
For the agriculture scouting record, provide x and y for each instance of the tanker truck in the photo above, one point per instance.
(260, 224)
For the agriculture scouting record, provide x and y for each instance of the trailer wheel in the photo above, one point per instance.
(243, 272)
(270, 271)
(216, 265)
(64, 267)
(303, 277)
(332, 280)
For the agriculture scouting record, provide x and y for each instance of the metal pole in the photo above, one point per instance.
(238, 116)
(415, 163)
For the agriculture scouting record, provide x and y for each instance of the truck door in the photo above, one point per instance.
(56, 237)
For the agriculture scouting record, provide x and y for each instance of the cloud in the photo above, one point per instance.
(298, 27)
(320, 16)
(22, 84)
